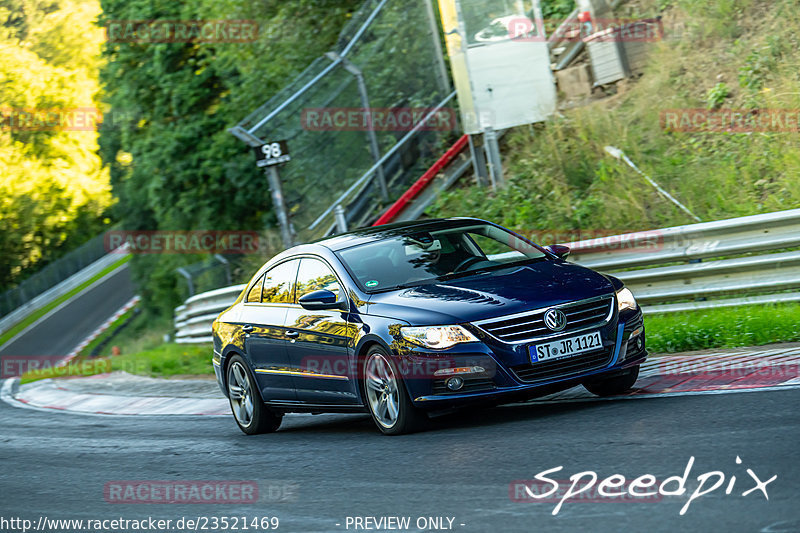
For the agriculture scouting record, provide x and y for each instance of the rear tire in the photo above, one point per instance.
(249, 410)
(615, 385)
(386, 396)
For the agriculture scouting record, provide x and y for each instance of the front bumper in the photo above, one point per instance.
(509, 375)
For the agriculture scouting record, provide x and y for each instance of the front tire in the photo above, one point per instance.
(386, 396)
(614, 386)
(251, 414)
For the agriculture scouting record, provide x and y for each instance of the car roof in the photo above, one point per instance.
(377, 233)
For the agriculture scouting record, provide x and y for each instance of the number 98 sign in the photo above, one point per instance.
(273, 153)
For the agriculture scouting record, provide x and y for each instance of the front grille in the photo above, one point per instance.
(473, 384)
(562, 368)
(528, 326)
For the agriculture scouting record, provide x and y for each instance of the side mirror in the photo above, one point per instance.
(323, 299)
(558, 250)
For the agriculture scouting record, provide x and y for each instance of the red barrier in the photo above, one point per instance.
(422, 182)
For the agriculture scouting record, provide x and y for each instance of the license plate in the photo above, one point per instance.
(565, 347)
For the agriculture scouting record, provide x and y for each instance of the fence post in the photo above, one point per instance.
(373, 139)
(493, 155)
(441, 69)
(478, 160)
(274, 179)
(183, 272)
(341, 219)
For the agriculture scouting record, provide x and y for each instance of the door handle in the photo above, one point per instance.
(248, 328)
(292, 334)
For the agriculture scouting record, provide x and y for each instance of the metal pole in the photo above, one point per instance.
(493, 155)
(373, 139)
(441, 69)
(183, 272)
(341, 218)
(274, 179)
(619, 154)
(478, 160)
(227, 266)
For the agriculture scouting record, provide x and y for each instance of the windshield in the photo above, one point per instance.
(414, 258)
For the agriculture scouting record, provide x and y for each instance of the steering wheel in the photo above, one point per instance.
(468, 261)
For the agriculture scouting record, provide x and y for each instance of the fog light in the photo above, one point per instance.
(460, 370)
(454, 383)
(639, 343)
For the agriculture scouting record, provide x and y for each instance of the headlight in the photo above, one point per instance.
(437, 336)
(625, 300)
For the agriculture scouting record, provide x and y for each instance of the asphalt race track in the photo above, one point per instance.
(59, 332)
(319, 470)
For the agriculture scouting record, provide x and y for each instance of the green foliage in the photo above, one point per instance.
(557, 9)
(717, 95)
(53, 190)
(173, 164)
(760, 62)
(723, 328)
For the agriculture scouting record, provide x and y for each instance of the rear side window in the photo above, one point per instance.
(315, 275)
(279, 283)
(254, 296)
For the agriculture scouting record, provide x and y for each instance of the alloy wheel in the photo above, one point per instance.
(240, 394)
(382, 391)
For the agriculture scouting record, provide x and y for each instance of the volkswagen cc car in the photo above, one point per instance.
(407, 320)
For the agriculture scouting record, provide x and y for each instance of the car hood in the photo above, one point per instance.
(491, 294)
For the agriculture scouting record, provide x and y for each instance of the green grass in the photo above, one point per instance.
(33, 317)
(167, 360)
(729, 327)
(144, 333)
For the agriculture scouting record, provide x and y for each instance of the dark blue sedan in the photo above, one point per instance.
(412, 319)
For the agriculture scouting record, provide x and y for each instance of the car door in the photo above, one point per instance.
(319, 340)
(262, 318)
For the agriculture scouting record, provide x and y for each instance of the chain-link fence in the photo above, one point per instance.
(52, 274)
(388, 61)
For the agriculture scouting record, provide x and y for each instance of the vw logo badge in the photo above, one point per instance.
(555, 319)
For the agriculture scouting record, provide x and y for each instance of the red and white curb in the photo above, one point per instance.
(745, 370)
(104, 326)
(49, 395)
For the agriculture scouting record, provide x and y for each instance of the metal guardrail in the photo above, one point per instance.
(746, 260)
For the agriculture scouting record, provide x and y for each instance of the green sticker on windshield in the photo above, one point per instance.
(372, 283)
